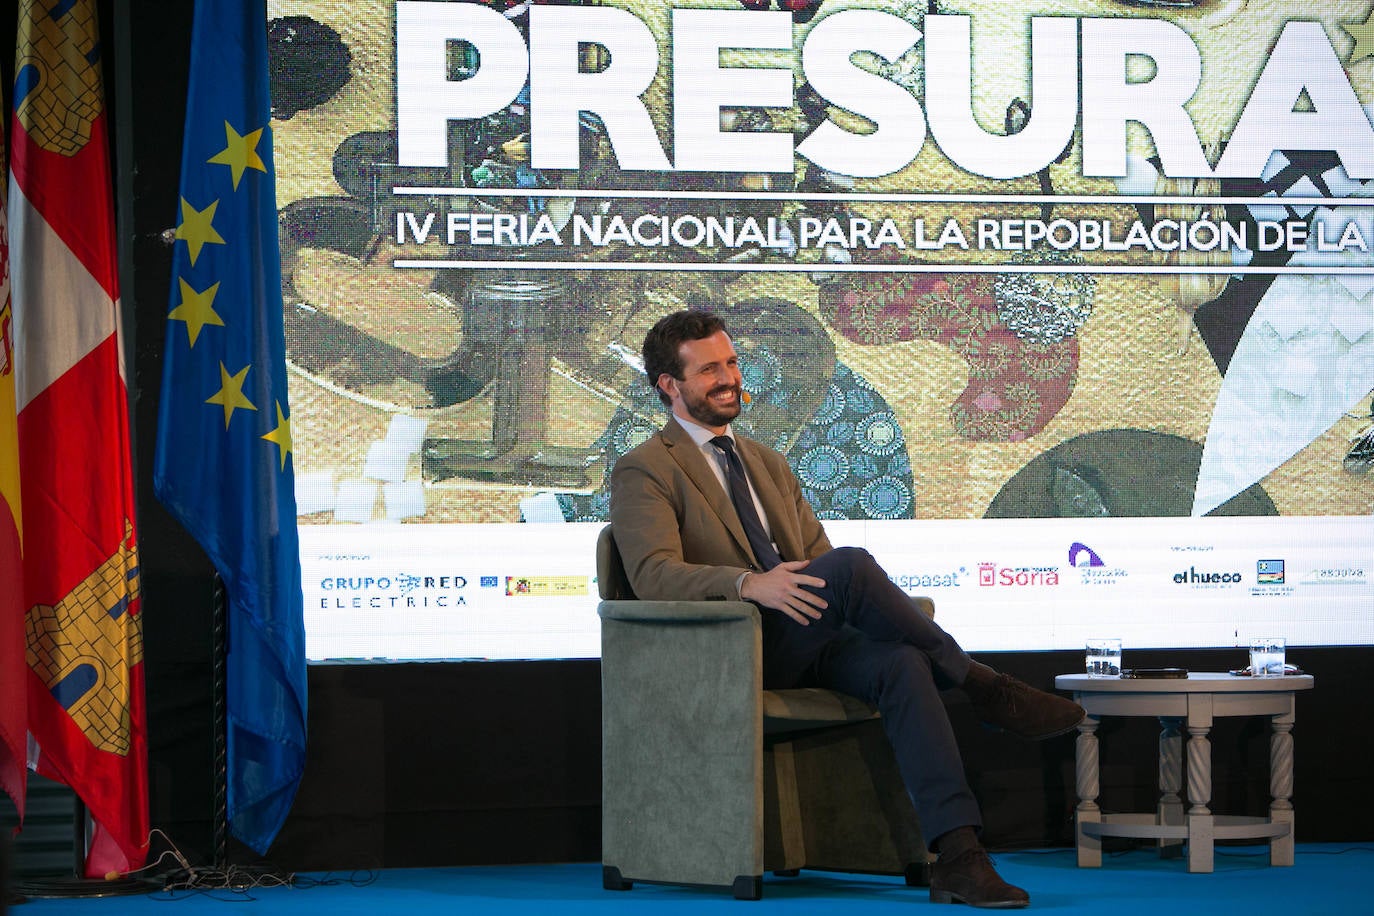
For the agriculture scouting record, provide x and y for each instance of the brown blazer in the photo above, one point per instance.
(678, 532)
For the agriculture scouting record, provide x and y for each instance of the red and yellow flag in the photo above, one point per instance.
(13, 706)
(83, 628)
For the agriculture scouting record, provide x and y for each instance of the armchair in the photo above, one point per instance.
(708, 779)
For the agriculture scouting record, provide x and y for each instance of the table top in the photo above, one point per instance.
(1195, 682)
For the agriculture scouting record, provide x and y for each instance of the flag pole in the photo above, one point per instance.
(76, 884)
(219, 691)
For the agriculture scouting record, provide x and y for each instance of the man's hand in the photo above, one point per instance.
(781, 589)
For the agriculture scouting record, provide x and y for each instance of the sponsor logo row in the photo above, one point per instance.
(1085, 566)
(408, 590)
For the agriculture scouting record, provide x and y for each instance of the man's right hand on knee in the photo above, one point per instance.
(781, 588)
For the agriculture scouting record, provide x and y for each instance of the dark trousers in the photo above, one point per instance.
(874, 643)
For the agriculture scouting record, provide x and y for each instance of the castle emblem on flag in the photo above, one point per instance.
(82, 648)
(57, 90)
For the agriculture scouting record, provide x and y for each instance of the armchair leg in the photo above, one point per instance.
(611, 879)
(786, 872)
(748, 887)
(918, 874)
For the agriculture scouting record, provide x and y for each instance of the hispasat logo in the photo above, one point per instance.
(950, 578)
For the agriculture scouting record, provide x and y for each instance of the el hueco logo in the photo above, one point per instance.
(1192, 576)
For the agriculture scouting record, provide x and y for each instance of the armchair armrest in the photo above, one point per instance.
(682, 739)
(676, 611)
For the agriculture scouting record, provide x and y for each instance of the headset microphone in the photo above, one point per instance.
(744, 397)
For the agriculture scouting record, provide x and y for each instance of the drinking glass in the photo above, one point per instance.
(1104, 658)
(1266, 656)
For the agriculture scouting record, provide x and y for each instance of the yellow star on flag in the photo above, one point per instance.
(230, 395)
(240, 152)
(197, 228)
(196, 309)
(1363, 33)
(281, 435)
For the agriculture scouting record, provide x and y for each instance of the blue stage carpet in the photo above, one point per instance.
(1327, 878)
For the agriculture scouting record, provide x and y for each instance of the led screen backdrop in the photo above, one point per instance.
(1062, 309)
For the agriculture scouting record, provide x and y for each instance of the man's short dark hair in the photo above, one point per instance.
(661, 344)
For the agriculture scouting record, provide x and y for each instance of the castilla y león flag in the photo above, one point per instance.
(83, 629)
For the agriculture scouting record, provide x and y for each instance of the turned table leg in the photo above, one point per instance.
(1170, 810)
(1281, 788)
(1200, 821)
(1088, 812)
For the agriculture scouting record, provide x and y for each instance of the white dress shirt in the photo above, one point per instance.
(716, 459)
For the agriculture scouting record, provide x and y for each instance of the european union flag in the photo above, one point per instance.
(223, 464)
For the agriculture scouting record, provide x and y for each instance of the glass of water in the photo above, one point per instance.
(1104, 658)
(1267, 656)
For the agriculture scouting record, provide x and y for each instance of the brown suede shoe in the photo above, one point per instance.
(970, 878)
(1002, 701)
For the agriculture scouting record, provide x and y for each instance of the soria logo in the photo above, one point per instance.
(990, 574)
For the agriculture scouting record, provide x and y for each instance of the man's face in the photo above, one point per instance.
(709, 391)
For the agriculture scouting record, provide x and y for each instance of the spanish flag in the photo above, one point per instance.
(13, 689)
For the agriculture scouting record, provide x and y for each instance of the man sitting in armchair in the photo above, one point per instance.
(701, 513)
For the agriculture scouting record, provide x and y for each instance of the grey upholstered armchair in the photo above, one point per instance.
(708, 779)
